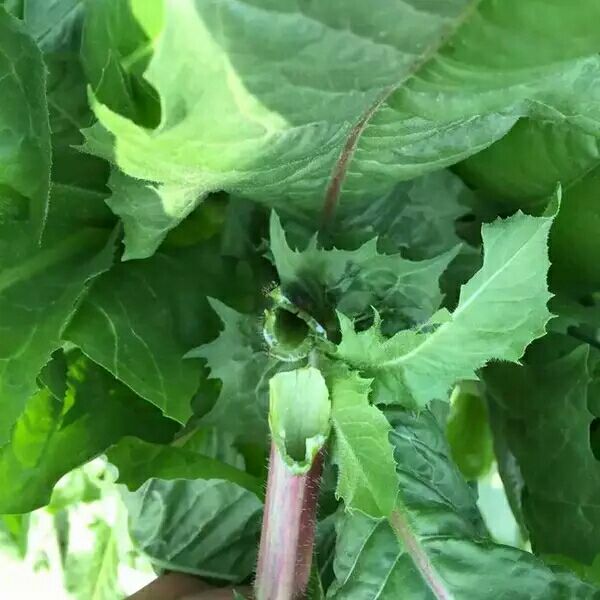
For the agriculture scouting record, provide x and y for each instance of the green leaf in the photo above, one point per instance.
(208, 528)
(361, 448)
(299, 416)
(140, 319)
(563, 153)
(148, 211)
(440, 548)
(25, 159)
(94, 575)
(501, 310)
(39, 289)
(547, 409)
(469, 433)
(115, 49)
(237, 357)
(355, 280)
(417, 217)
(52, 22)
(262, 113)
(139, 461)
(54, 436)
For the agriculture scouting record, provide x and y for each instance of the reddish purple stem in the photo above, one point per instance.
(288, 530)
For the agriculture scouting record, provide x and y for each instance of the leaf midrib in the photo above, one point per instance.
(340, 168)
(460, 309)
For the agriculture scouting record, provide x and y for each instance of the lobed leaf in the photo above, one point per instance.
(500, 311)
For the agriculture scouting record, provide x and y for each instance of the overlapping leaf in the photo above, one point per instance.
(142, 317)
(548, 409)
(209, 528)
(439, 548)
(238, 358)
(355, 280)
(25, 159)
(361, 448)
(387, 102)
(56, 434)
(501, 310)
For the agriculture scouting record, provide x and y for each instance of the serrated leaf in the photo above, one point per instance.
(547, 410)
(148, 211)
(355, 280)
(25, 160)
(115, 49)
(141, 318)
(501, 310)
(39, 289)
(440, 548)
(361, 448)
(417, 217)
(209, 528)
(273, 120)
(53, 436)
(138, 461)
(238, 358)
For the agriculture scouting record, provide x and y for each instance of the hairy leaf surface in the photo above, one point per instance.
(361, 448)
(500, 311)
(439, 548)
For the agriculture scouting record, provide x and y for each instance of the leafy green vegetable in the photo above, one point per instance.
(229, 225)
(439, 548)
(356, 280)
(55, 435)
(25, 157)
(549, 414)
(367, 471)
(209, 528)
(501, 310)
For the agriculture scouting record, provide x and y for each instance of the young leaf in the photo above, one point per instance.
(55, 435)
(238, 359)
(367, 472)
(548, 410)
(501, 310)
(25, 159)
(355, 280)
(438, 547)
(299, 416)
(417, 217)
(209, 528)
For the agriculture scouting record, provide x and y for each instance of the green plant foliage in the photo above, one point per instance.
(556, 457)
(509, 288)
(236, 227)
(438, 546)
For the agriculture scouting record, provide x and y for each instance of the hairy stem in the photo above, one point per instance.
(288, 531)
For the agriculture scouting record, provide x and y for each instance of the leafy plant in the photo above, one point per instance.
(346, 251)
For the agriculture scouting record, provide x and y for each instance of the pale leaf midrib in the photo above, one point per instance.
(460, 309)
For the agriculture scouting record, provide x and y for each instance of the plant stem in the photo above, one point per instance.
(288, 531)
